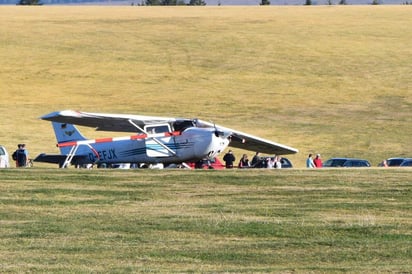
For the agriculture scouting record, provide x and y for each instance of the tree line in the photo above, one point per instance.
(143, 3)
(202, 2)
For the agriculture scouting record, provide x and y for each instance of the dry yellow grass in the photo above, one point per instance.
(329, 79)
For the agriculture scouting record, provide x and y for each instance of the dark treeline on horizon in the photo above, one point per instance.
(217, 2)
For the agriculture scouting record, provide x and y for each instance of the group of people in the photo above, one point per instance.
(21, 156)
(266, 162)
(314, 162)
(257, 161)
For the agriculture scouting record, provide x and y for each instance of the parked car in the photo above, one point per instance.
(4, 157)
(392, 162)
(262, 162)
(407, 162)
(346, 162)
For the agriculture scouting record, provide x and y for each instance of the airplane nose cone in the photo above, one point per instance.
(219, 144)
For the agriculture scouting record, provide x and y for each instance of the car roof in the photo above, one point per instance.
(343, 158)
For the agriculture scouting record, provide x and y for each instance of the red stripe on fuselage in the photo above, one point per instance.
(67, 144)
(104, 140)
(137, 137)
(174, 133)
(108, 140)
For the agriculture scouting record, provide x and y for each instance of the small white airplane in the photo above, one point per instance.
(156, 140)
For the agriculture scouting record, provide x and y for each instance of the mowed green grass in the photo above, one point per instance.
(325, 79)
(318, 221)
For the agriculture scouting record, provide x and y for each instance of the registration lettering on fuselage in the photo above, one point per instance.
(104, 155)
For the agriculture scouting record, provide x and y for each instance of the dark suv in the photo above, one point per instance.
(346, 162)
(392, 162)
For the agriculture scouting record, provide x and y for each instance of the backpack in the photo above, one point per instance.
(21, 157)
(14, 155)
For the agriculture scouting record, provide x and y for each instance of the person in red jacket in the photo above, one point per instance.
(318, 161)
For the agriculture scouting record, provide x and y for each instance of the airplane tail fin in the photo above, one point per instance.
(66, 133)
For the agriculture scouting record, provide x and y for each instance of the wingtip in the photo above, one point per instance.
(55, 114)
(49, 116)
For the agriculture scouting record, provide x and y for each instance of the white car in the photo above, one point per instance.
(4, 157)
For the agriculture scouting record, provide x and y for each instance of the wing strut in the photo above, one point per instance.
(186, 165)
(70, 156)
(154, 139)
(72, 153)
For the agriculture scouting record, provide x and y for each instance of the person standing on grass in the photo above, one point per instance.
(318, 161)
(278, 162)
(270, 162)
(21, 156)
(309, 162)
(244, 162)
(229, 159)
(255, 160)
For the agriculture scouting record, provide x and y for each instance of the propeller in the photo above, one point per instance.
(218, 133)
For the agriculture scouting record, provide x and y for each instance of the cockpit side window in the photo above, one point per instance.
(157, 129)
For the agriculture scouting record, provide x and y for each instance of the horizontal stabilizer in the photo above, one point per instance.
(60, 158)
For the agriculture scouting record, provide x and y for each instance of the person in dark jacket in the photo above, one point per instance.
(229, 159)
(20, 155)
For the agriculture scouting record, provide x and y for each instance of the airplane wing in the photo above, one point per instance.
(253, 143)
(104, 121)
(250, 142)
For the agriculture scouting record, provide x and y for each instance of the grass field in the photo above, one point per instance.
(328, 79)
(301, 221)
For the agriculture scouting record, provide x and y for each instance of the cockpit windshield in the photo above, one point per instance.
(181, 125)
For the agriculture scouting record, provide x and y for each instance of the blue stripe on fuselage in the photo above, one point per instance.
(140, 151)
(114, 154)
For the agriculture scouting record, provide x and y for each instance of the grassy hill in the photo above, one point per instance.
(329, 79)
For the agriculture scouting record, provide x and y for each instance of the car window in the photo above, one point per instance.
(339, 162)
(357, 163)
(2, 152)
(285, 162)
(328, 163)
(349, 163)
(407, 163)
(360, 164)
(395, 162)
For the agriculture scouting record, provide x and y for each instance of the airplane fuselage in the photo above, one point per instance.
(190, 145)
